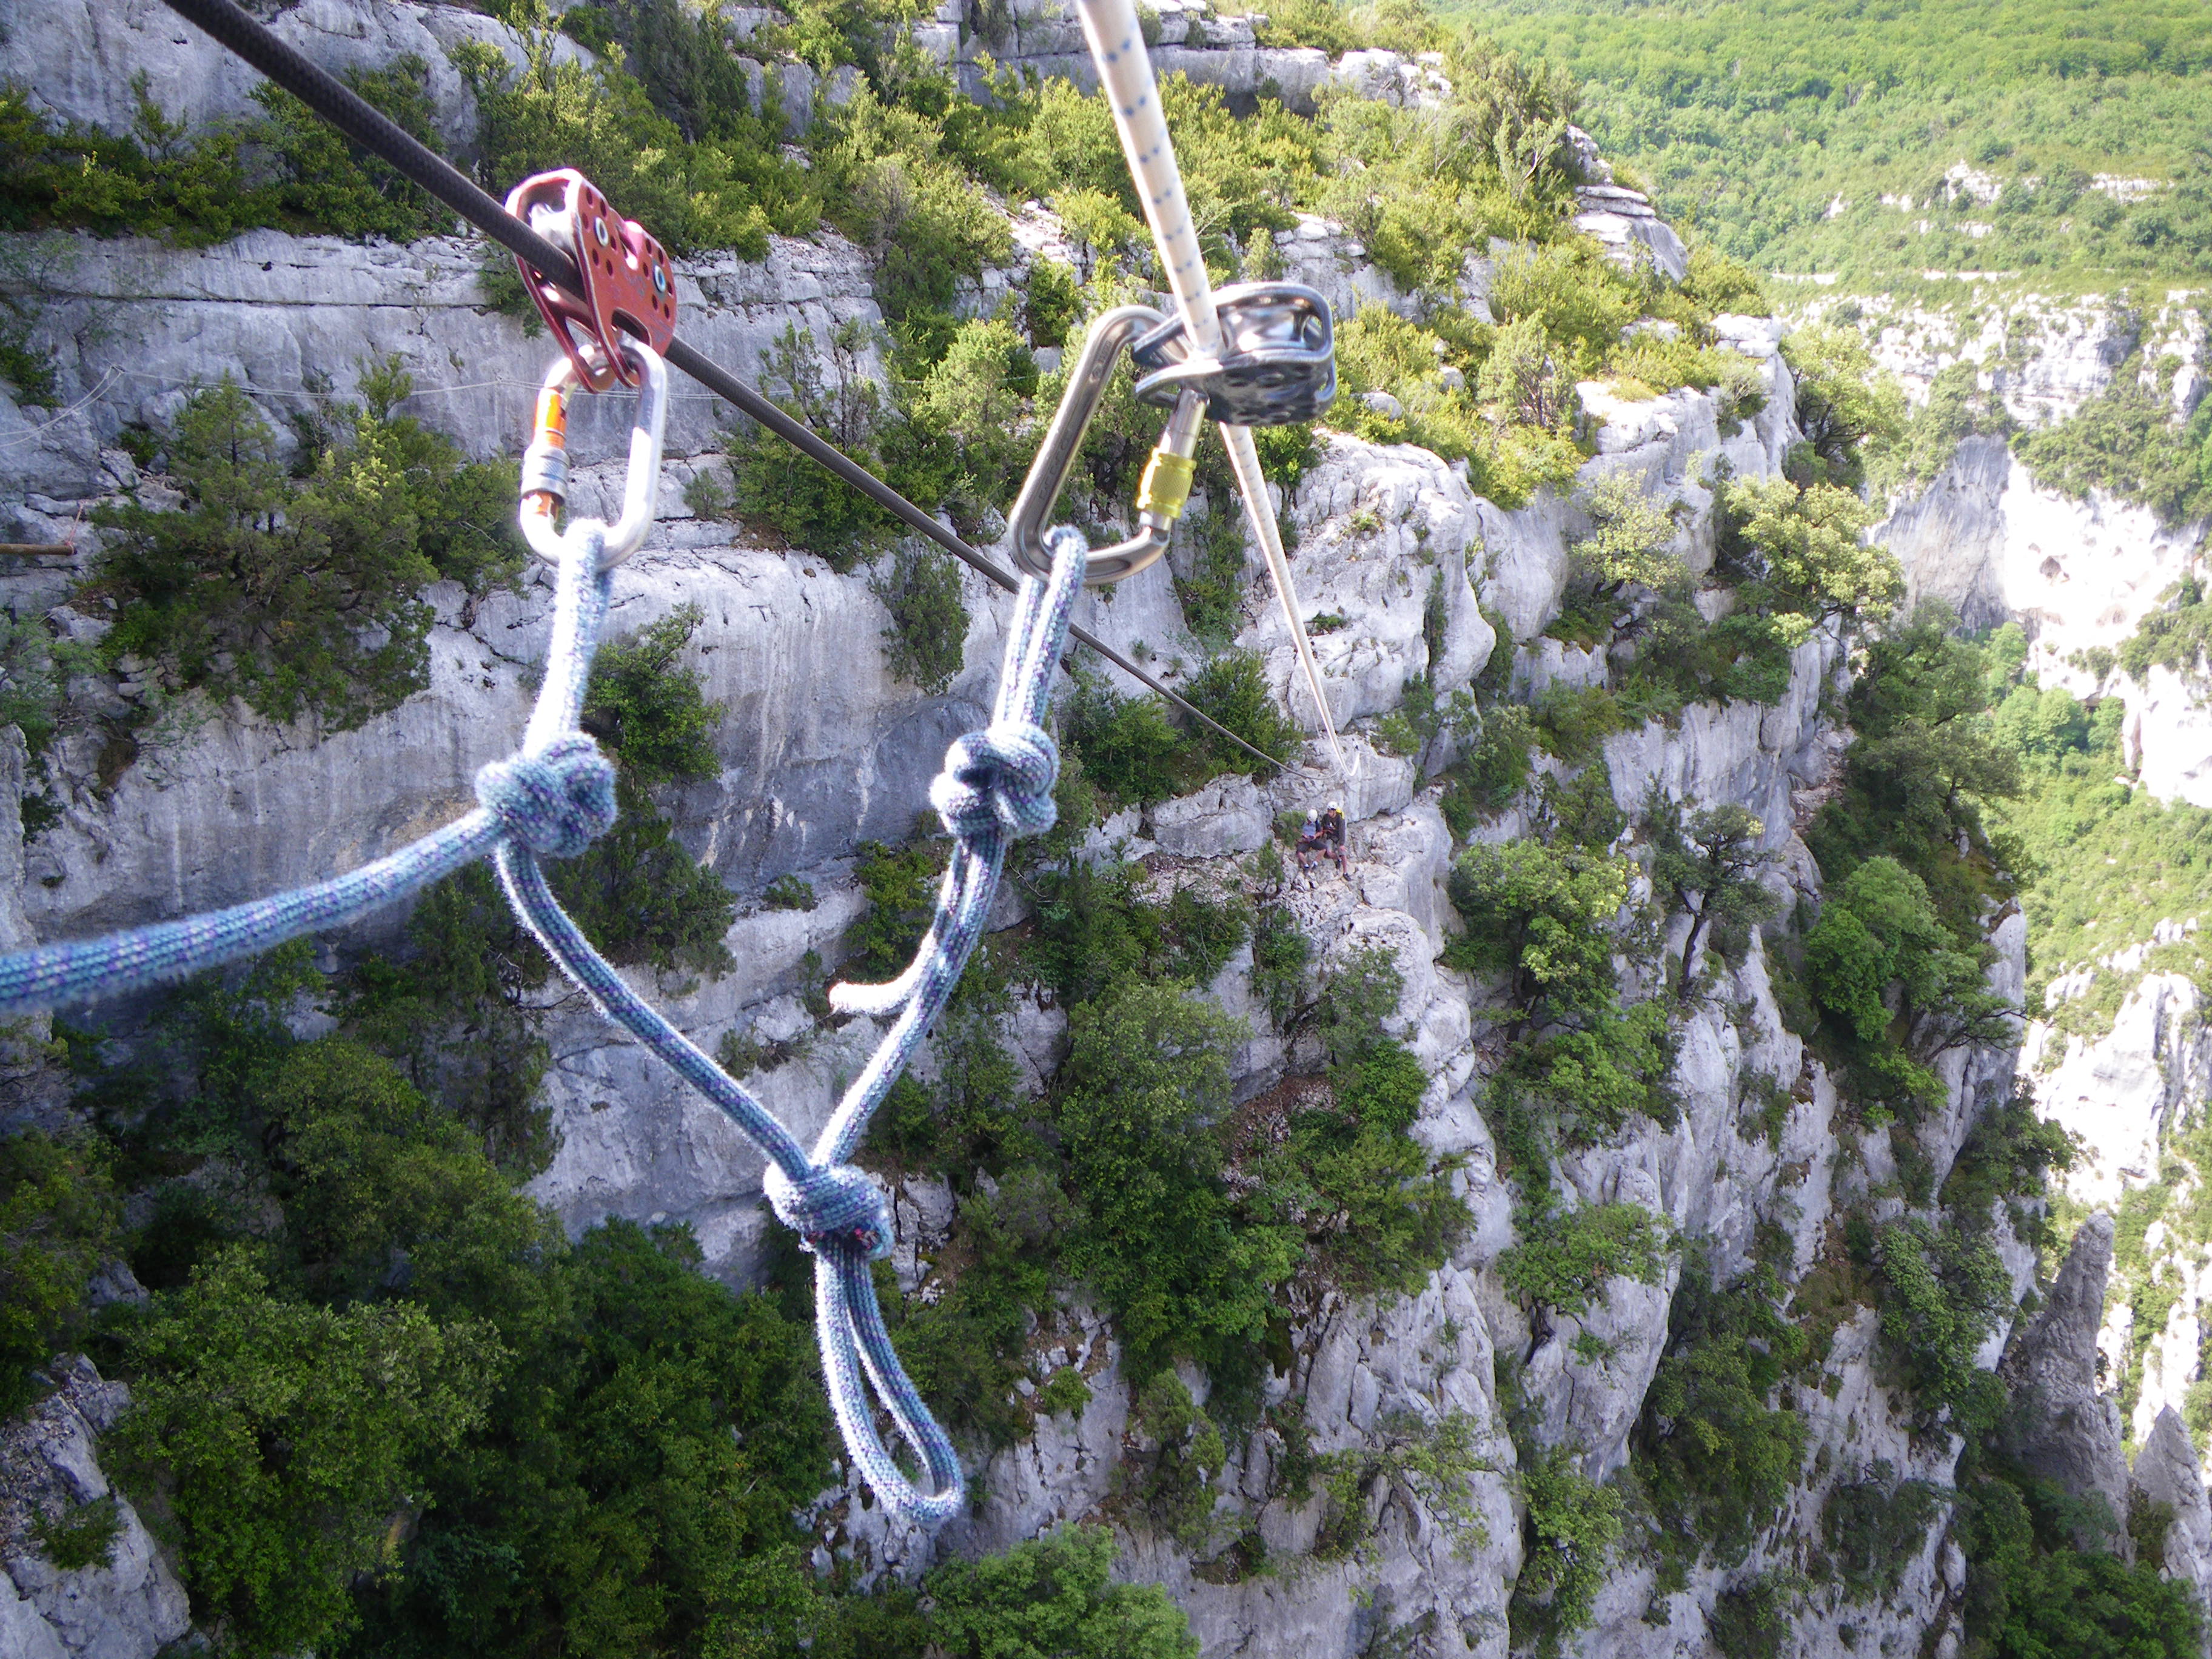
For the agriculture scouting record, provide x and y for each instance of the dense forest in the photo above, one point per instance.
(2060, 139)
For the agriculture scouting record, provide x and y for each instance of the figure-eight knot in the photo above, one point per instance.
(1002, 774)
(557, 802)
(837, 1201)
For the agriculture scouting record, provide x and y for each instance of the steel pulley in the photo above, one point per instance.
(1277, 365)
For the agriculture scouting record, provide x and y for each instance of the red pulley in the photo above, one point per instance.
(630, 286)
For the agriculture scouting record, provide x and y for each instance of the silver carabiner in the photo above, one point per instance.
(546, 464)
(1166, 483)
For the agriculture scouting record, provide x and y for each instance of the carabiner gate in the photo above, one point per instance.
(545, 462)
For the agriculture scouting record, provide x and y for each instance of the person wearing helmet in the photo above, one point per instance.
(1335, 837)
(1310, 846)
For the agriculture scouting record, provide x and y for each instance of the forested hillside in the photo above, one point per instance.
(1812, 135)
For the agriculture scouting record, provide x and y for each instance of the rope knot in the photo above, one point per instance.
(556, 802)
(1001, 776)
(835, 1201)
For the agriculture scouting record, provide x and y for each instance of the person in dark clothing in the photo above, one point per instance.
(1335, 837)
(1311, 844)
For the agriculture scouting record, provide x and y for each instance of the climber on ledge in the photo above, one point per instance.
(1335, 837)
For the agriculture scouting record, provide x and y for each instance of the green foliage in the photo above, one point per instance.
(266, 587)
(1942, 1292)
(631, 1487)
(717, 180)
(1566, 1257)
(82, 1536)
(897, 885)
(2032, 1589)
(58, 1222)
(1709, 863)
(636, 892)
(1176, 1474)
(282, 1436)
(1540, 918)
(653, 714)
(1146, 1077)
(1797, 553)
(1752, 1620)
(1957, 408)
(810, 506)
(1494, 772)
(789, 892)
(1432, 1464)
(1128, 746)
(1592, 1076)
(1569, 1528)
(1280, 951)
(2126, 442)
(289, 170)
(1872, 1528)
(2174, 635)
(1572, 722)
(1778, 127)
(1232, 689)
(1715, 1451)
(924, 642)
(35, 669)
(1843, 403)
(1051, 1598)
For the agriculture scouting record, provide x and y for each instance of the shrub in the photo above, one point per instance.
(82, 1536)
(650, 710)
(1801, 555)
(1540, 918)
(1873, 1527)
(809, 506)
(1943, 1292)
(1051, 1598)
(1571, 721)
(926, 640)
(1494, 773)
(1432, 1464)
(1280, 951)
(1842, 402)
(1128, 747)
(1146, 1079)
(58, 1222)
(1566, 1257)
(301, 597)
(1570, 1525)
(284, 1436)
(1716, 1456)
(1232, 689)
(789, 892)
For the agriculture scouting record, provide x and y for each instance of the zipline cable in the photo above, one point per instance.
(360, 120)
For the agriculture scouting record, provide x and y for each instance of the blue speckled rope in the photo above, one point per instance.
(552, 800)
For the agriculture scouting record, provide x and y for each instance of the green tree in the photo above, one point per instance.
(282, 1438)
(1145, 1081)
(1051, 1598)
(300, 596)
(58, 1221)
(1802, 549)
(1540, 917)
(1708, 862)
(1843, 403)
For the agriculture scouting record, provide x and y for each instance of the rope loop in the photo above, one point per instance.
(556, 802)
(1000, 777)
(833, 1201)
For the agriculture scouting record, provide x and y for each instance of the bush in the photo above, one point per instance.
(58, 1222)
(1146, 1079)
(1943, 1293)
(269, 588)
(1280, 951)
(282, 1437)
(926, 641)
(1539, 918)
(1716, 1456)
(1873, 1527)
(1050, 1599)
(1232, 689)
(1128, 746)
(199, 190)
(1566, 1257)
(1570, 1527)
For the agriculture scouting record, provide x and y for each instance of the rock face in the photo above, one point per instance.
(128, 1605)
(2069, 1432)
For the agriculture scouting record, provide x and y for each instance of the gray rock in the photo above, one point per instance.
(2064, 1430)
